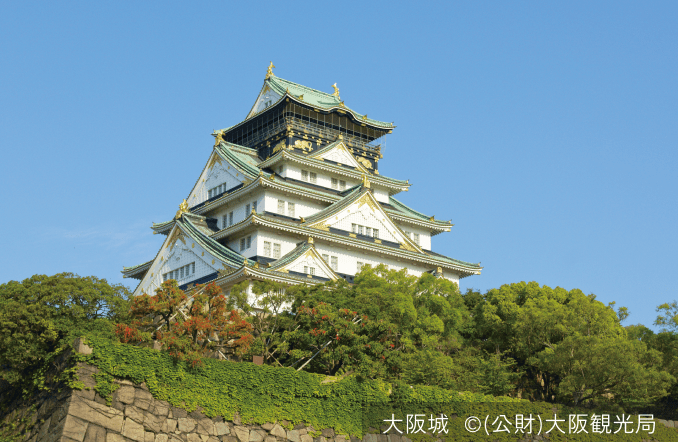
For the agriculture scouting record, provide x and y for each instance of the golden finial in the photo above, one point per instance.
(219, 137)
(254, 212)
(440, 270)
(261, 172)
(310, 240)
(301, 97)
(340, 137)
(432, 218)
(301, 218)
(244, 262)
(256, 264)
(341, 103)
(366, 182)
(336, 91)
(183, 208)
(365, 117)
(270, 73)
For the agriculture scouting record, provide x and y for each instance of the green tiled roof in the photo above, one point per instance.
(246, 163)
(319, 99)
(336, 207)
(225, 254)
(408, 211)
(161, 227)
(138, 266)
(428, 253)
(299, 250)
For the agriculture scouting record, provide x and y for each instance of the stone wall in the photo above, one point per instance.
(134, 415)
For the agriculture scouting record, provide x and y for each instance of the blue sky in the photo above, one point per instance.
(547, 131)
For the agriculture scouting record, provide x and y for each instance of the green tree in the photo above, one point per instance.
(668, 317)
(41, 315)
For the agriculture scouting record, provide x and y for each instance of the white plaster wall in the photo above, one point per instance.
(302, 207)
(179, 256)
(347, 258)
(238, 207)
(309, 262)
(424, 235)
(380, 194)
(249, 252)
(287, 242)
(365, 217)
(324, 177)
(268, 95)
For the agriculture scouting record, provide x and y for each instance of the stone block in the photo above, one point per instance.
(269, 439)
(98, 414)
(193, 438)
(299, 426)
(80, 347)
(178, 412)
(86, 394)
(186, 424)
(221, 428)
(124, 394)
(168, 426)
(95, 433)
(153, 423)
(75, 428)
(206, 426)
(278, 431)
(306, 438)
(370, 437)
(142, 399)
(340, 438)
(268, 426)
(229, 439)
(134, 413)
(242, 433)
(257, 436)
(161, 438)
(160, 408)
(394, 438)
(134, 430)
(293, 436)
(328, 432)
(196, 414)
(212, 439)
(114, 437)
(149, 436)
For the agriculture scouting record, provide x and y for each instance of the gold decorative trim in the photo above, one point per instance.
(183, 208)
(336, 91)
(378, 241)
(352, 235)
(269, 71)
(407, 247)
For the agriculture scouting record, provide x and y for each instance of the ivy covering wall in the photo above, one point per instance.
(263, 394)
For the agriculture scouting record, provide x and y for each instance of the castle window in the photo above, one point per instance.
(249, 242)
(335, 183)
(335, 263)
(230, 218)
(304, 175)
(276, 250)
(224, 220)
(267, 248)
(313, 177)
(342, 185)
(281, 207)
(368, 231)
(290, 210)
(416, 238)
(247, 210)
(360, 266)
(242, 244)
(280, 169)
(326, 258)
(375, 233)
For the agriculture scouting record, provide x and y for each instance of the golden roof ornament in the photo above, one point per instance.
(366, 182)
(440, 270)
(336, 91)
(269, 72)
(310, 240)
(219, 137)
(183, 208)
(301, 218)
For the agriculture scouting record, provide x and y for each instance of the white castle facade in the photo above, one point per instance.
(293, 194)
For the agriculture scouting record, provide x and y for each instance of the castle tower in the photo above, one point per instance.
(293, 194)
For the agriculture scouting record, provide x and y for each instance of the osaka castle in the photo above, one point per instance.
(293, 194)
